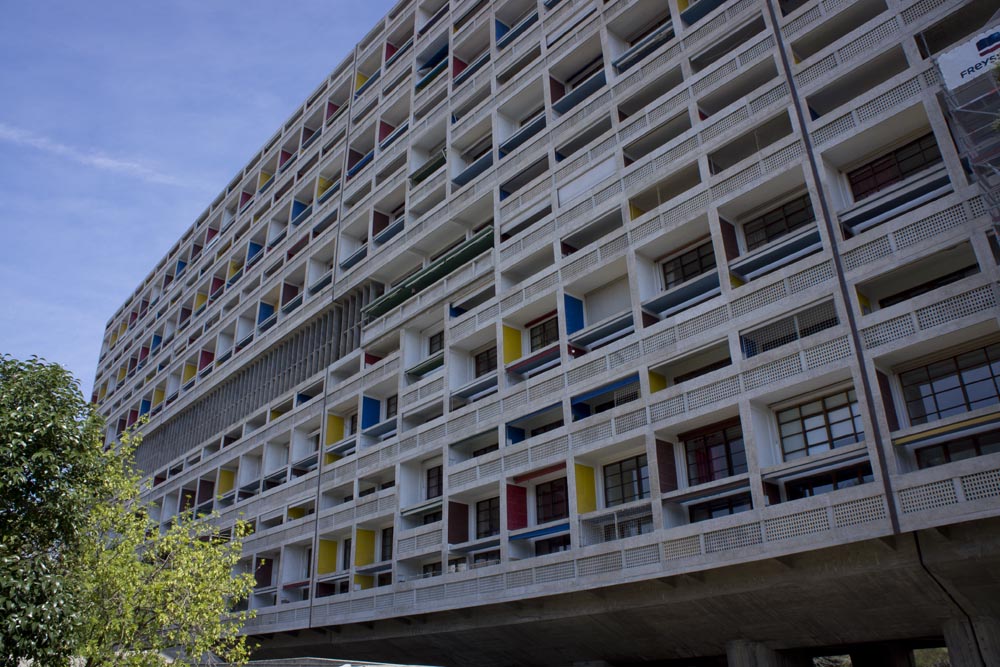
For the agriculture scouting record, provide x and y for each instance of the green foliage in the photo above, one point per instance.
(85, 570)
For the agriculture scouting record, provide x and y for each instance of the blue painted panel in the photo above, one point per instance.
(371, 411)
(574, 314)
(264, 311)
(514, 434)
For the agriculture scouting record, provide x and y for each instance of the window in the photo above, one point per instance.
(485, 450)
(714, 509)
(385, 551)
(779, 221)
(958, 449)
(545, 428)
(544, 334)
(551, 501)
(384, 579)
(434, 482)
(619, 530)
(432, 569)
(345, 559)
(829, 481)
(431, 517)
(626, 481)
(715, 452)
(953, 385)
(484, 558)
(781, 332)
(688, 264)
(488, 518)
(552, 545)
(352, 424)
(928, 286)
(820, 425)
(435, 343)
(893, 167)
(391, 406)
(485, 362)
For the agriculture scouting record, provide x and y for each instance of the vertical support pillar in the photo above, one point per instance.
(975, 644)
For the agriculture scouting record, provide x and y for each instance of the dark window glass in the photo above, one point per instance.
(626, 481)
(386, 549)
(552, 545)
(391, 406)
(928, 286)
(551, 501)
(345, 559)
(720, 507)
(384, 579)
(486, 362)
(434, 482)
(777, 222)
(715, 452)
(485, 450)
(952, 386)
(544, 334)
(432, 569)
(484, 558)
(545, 428)
(893, 167)
(829, 481)
(435, 343)
(687, 265)
(958, 449)
(432, 517)
(619, 530)
(488, 518)
(820, 425)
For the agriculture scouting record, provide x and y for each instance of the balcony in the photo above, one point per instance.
(504, 39)
(644, 47)
(911, 194)
(698, 10)
(354, 257)
(427, 169)
(477, 167)
(776, 255)
(523, 134)
(430, 274)
(471, 69)
(570, 100)
(603, 332)
(683, 296)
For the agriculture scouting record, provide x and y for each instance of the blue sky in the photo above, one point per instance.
(120, 122)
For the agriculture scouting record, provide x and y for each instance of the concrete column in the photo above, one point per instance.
(744, 653)
(882, 655)
(973, 645)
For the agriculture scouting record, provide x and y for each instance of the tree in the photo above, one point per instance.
(85, 569)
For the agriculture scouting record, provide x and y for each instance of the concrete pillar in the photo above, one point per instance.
(744, 653)
(973, 645)
(882, 655)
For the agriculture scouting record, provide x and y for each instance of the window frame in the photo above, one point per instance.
(639, 483)
(891, 152)
(678, 256)
(488, 517)
(546, 328)
(547, 496)
(731, 455)
(950, 354)
(435, 343)
(821, 396)
(780, 206)
(476, 371)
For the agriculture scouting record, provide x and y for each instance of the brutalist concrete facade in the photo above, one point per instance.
(583, 330)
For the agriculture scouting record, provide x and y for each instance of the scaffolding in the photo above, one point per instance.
(974, 111)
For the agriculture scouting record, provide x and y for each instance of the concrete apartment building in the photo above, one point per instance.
(596, 331)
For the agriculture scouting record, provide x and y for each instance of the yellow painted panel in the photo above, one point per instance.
(866, 304)
(511, 344)
(326, 557)
(364, 546)
(364, 581)
(331, 458)
(189, 371)
(736, 281)
(682, 5)
(634, 211)
(949, 428)
(322, 186)
(359, 80)
(227, 480)
(199, 300)
(296, 513)
(234, 266)
(114, 338)
(275, 414)
(103, 392)
(122, 372)
(586, 489)
(264, 178)
(334, 429)
(123, 328)
(656, 382)
(158, 396)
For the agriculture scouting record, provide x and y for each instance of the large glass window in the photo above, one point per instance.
(779, 221)
(435, 343)
(434, 482)
(820, 424)
(488, 517)
(626, 481)
(485, 361)
(552, 545)
(719, 507)
(688, 264)
(544, 334)
(715, 452)
(959, 448)
(953, 385)
(551, 501)
(829, 481)
(386, 544)
(893, 167)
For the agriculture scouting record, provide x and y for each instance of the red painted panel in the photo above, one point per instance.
(517, 507)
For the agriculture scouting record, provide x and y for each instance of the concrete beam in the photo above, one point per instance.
(973, 644)
(745, 653)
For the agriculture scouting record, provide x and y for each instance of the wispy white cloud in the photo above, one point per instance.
(86, 157)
